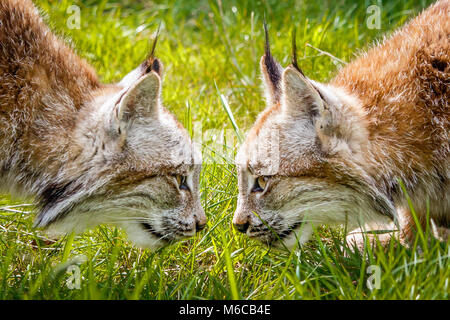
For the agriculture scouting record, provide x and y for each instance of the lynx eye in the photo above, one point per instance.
(260, 184)
(182, 182)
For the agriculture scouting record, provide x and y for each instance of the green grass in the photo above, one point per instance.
(211, 49)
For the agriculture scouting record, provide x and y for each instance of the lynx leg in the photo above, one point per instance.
(406, 235)
(356, 237)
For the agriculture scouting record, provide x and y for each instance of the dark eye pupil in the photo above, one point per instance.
(257, 187)
(183, 183)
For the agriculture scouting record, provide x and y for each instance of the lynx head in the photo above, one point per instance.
(302, 163)
(131, 164)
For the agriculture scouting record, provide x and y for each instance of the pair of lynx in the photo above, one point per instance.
(111, 153)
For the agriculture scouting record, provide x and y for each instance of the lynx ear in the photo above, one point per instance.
(141, 99)
(151, 63)
(300, 96)
(329, 112)
(271, 71)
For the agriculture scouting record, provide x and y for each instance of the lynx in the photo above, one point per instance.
(91, 153)
(340, 153)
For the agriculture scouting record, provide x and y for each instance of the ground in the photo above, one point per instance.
(211, 53)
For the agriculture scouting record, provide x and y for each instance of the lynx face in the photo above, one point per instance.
(300, 164)
(140, 170)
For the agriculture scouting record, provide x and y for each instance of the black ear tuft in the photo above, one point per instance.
(155, 41)
(294, 52)
(152, 63)
(272, 66)
(271, 69)
(266, 42)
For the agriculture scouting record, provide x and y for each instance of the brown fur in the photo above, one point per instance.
(404, 86)
(35, 66)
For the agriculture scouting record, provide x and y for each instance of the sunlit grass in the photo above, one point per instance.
(211, 57)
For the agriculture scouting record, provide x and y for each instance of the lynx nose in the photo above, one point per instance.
(199, 226)
(200, 220)
(241, 227)
(241, 221)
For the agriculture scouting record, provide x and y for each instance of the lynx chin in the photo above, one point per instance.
(337, 153)
(89, 152)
